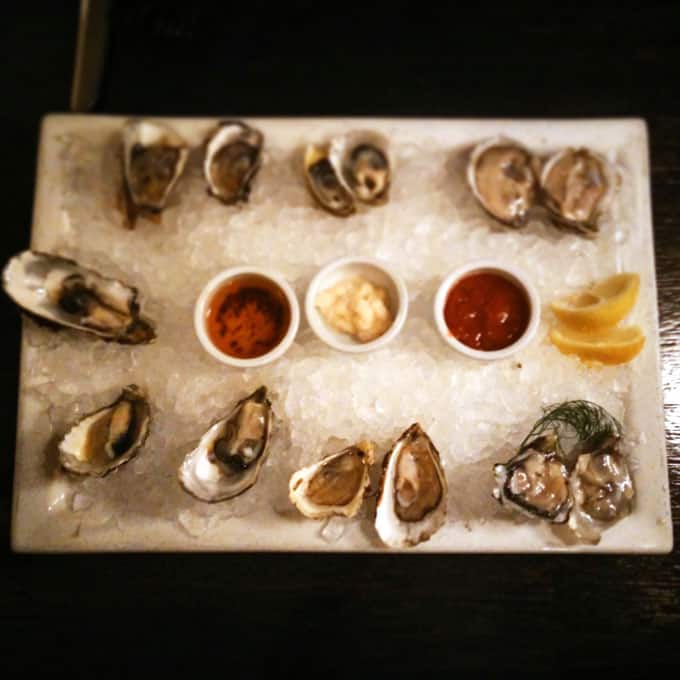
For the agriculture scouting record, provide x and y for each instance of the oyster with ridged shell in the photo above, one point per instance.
(62, 292)
(233, 156)
(502, 178)
(230, 455)
(335, 485)
(413, 491)
(154, 157)
(577, 186)
(109, 437)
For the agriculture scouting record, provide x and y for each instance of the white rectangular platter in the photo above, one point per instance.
(476, 413)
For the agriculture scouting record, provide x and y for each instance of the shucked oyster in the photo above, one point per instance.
(334, 485)
(602, 489)
(154, 156)
(61, 291)
(535, 482)
(350, 168)
(325, 184)
(576, 185)
(109, 437)
(501, 175)
(361, 160)
(232, 158)
(230, 455)
(569, 468)
(413, 491)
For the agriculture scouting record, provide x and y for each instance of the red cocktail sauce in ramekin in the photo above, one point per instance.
(486, 311)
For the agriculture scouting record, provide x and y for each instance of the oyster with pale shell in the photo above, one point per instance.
(230, 455)
(413, 491)
(335, 485)
(109, 437)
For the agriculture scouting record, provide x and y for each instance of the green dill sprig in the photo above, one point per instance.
(590, 423)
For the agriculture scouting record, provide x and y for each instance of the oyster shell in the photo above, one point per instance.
(61, 291)
(501, 176)
(602, 489)
(230, 455)
(232, 158)
(109, 437)
(324, 183)
(577, 185)
(335, 485)
(154, 156)
(535, 481)
(413, 491)
(361, 160)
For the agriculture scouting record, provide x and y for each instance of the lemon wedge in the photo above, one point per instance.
(601, 306)
(610, 346)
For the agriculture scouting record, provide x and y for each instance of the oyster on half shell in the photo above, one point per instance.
(324, 182)
(154, 156)
(109, 437)
(335, 485)
(413, 491)
(535, 481)
(602, 489)
(501, 176)
(232, 158)
(577, 185)
(230, 455)
(362, 162)
(60, 291)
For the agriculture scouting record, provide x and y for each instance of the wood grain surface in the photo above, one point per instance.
(332, 614)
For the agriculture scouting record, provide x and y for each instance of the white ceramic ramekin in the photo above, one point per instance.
(202, 307)
(375, 271)
(512, 274)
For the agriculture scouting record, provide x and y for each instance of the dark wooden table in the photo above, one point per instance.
(330, 614)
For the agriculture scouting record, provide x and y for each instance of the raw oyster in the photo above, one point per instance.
(154, 156)
(535, 482)
(335, 485)
(501, 175)
(602, 490)
(360, 159)
(324, 183)
(109, 437)
(232, 158)
(63, 292)
(230, 455)
(413, 491)
(576, 186)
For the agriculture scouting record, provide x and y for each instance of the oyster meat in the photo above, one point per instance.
(501, 176)
(230, 455)
(61, 291)
(109, 437)
(602, 489)
(576, 186)
(335, 485)
(413, 491)
(535, 482)
(232, 158)
(350, 168)
(154, 156)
